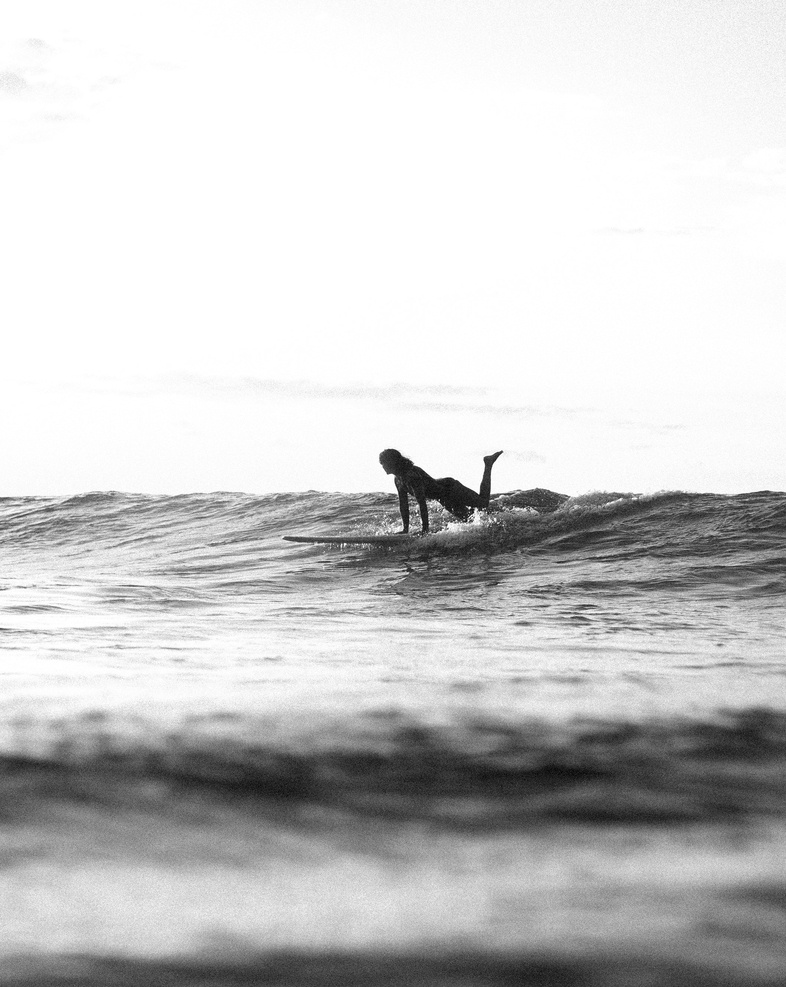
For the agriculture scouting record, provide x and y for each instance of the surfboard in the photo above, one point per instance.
(349, 539)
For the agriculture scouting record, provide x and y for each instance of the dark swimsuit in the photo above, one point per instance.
(453, 495)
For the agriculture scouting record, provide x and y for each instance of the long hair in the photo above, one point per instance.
(393, 460)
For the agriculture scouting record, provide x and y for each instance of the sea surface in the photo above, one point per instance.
(529, 749)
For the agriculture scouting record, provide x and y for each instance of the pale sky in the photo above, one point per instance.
(245, 244)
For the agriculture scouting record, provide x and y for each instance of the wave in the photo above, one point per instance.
(471, 773)
(664, 540)
(686, 539)
(707, 519)
(601, 966)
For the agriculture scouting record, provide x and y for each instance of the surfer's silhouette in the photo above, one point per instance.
(454, 496)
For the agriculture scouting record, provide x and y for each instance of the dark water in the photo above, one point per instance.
(528, 749)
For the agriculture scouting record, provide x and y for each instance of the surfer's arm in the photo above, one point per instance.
(423, 513)
(403, 504)
(417, 485)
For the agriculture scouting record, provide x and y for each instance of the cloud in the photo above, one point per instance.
(430, 398)
(649, 426)
(767, 164)
(493, 408)
(238, 386)
(525, 456)
(12, 84)
(740, 195)
(434, 398)
(657, 231)
(45, 82)
(223, 387)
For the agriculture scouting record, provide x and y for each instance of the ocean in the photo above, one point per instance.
(528, 749)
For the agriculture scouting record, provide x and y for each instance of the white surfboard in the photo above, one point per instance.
(349, 539)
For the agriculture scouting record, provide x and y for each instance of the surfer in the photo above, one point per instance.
(454, 496)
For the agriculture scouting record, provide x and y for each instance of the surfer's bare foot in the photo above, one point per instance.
(490, 460)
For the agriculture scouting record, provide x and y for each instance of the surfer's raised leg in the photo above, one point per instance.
(485, 484)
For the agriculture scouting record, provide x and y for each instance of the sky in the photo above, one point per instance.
(247, 244)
